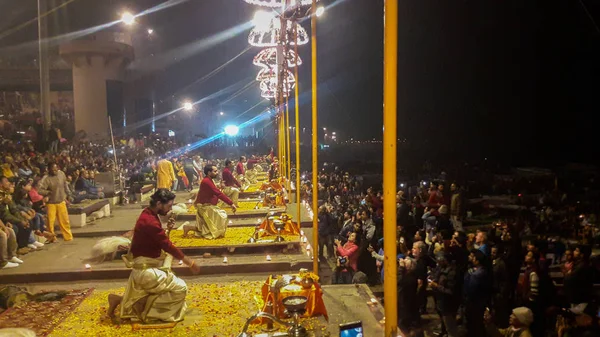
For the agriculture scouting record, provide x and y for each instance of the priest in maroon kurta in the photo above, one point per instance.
(153, 293)
(211, 220)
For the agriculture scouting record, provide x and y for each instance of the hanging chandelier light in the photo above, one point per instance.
(261, 37)
(271, 74)
(267, 58)
(268, 89)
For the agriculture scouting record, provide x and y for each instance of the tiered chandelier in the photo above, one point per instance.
(275, 32)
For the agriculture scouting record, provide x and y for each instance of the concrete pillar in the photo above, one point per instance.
(96, 60)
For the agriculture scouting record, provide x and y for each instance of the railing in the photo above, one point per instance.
(124, 38)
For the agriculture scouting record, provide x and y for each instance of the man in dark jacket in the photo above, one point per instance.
(476, 289)
(444, 285)
(325, 228)
(407, 294)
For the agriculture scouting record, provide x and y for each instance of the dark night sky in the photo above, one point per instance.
(511, 79)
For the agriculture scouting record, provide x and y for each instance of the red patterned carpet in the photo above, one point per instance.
(43, 317)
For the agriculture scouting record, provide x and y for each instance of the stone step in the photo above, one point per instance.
(75, 270)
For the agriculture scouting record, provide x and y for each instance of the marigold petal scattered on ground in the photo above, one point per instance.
(213, 310)
(233, 236)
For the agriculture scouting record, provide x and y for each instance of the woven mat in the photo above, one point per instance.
(43, 317)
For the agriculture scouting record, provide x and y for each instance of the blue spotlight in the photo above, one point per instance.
(231, 130)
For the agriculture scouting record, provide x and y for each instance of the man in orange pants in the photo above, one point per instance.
(54, 186)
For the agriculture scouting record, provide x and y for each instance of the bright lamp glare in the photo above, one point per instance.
(128, 18)
(231, 130)
(320, 11)
(188, 106)
(262, 20)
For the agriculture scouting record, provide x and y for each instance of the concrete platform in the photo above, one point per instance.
(124, 217)
(65, 262)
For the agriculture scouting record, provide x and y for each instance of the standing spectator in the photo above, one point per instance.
(54, 186)
(347, 226)
(417, 213)
(481, 243)
(457, 207)
(349, 252)
(54, 138)
(500, 295)
(407, 295)
(190, 172)
(444, 285)
(477, 292)
(578, 283)
(166, 175)
(403, 215)
(325, 228)
(419, 250)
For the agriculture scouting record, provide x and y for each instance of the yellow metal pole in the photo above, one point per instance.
(279, 125)
(287, 142)
(297, 133)
(390, 77)
(315, 140)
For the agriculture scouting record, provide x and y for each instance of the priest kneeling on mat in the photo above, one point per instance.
(211, 220)
(153, 293)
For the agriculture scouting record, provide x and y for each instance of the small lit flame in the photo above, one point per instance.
(180, 262)
(225, 259)
(373, 300)
(88, 266)
(268, 257)
(308, 246)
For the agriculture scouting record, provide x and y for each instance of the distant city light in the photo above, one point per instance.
(231, 130)
(320, 11)
(128, 18)
(150, 31)
(221, 113)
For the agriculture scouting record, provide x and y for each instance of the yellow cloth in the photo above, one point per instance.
(314, 305)
(291, 228)
(59, 210)
(166, 293)
(6, 171)
(211, 221)
(165, 174)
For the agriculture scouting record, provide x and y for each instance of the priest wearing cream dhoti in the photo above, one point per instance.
(231, 187)
(211, 220)
(248, 176)
(153, 293)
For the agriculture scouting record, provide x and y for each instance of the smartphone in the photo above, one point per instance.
(353, 329)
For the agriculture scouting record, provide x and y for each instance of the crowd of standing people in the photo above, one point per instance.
(492, 280)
